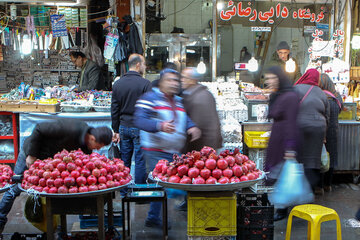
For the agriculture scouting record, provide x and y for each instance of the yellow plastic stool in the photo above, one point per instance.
(315, 215)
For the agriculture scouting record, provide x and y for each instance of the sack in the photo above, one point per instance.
(325, 160)
(292, 187)
(113, 151)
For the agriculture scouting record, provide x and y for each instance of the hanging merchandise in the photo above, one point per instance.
(134, 41)
(65, 42)
(6, 36)
(78, 37)
(93, 52)
(121, 49)
(110, 44)
(58, 25)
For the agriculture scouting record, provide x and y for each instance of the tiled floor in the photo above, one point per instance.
(343, 199)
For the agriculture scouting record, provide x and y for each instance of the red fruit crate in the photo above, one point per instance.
(255, 217)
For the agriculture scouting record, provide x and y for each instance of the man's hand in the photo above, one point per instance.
(194, 132)
(116, 138)
(30, 160)
(168, 127)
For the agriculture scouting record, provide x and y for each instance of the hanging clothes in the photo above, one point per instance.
(133, 37)
(121, 48)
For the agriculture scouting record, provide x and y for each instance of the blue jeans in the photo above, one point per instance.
(152, 157)
(9, 196)
(129, 145)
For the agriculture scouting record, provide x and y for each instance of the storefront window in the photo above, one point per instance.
(156, 57)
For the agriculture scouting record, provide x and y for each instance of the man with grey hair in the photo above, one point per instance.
(200, 106)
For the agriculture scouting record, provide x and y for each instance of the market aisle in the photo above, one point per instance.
(343, 199)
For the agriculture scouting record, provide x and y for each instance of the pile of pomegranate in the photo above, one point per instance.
(206, 167)
(5, 175)
(75, 172)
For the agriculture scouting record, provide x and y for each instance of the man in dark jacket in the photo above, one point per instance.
(47, 139)
(126, 92)
(91, 77)
(280, 57)
(200, 106)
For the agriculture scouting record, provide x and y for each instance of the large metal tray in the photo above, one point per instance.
(72, 195)
(208, 187)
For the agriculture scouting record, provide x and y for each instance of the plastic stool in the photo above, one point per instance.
(315, 215)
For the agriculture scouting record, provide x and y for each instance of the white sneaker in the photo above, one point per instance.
(353, 223)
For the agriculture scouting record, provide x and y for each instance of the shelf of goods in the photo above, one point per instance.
(49, 64)
(8, 137)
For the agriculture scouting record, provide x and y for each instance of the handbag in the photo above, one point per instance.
(292, 188)
(325, 160)
(114, 151)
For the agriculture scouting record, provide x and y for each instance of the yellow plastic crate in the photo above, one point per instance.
(211, 214)
(253, 139)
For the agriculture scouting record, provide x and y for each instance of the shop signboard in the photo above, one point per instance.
(280, 11)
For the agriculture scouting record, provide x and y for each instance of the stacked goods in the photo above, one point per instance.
(5, 175)
(206, 167)
(75, 172)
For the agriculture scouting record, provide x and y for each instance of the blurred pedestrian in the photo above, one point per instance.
(335, 105)
(312, 120)
(283, 109)
(200, 106)
(126, 91)
(169, 65)
(164, 125)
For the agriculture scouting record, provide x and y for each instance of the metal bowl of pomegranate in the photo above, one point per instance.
(71, 195)
(208, 187)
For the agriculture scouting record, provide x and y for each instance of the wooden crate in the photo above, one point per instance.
(355, 73)
(16, 106)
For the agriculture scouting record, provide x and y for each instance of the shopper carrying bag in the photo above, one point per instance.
(292, 188)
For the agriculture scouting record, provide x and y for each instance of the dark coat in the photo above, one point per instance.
(200, 106)
(92, 78)
(312, 120)
(126, 91)
(284, 131)
(49, 138)
(332, 132)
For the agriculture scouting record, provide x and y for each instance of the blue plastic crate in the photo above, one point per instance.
(92, 221)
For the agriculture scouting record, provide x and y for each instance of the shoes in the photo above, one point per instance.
(319, 191)
(155, 224)
(328, 188)
(182, 206)
(280, 214)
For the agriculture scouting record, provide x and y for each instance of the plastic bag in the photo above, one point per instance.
(114, 151)
(292, 187)
(325, 160)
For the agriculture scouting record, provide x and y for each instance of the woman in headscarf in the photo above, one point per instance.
(312, 121)
(335, 105)
(283, 109)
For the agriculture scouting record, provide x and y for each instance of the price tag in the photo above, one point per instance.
(145, 194)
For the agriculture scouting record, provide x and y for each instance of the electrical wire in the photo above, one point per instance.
(181, 9)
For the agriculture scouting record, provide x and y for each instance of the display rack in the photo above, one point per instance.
(13, 137)
(35, 69)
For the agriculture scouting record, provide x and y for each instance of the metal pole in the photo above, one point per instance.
(214, 41)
